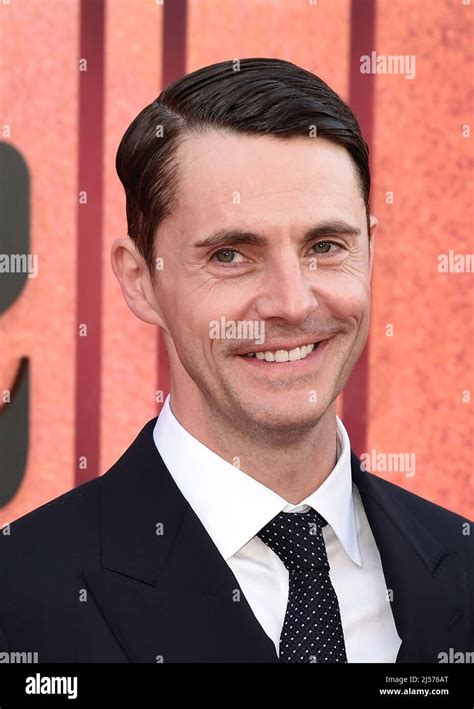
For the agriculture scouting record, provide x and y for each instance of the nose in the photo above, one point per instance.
(287, 292)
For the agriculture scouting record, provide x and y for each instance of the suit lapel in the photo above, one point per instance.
(163, 587)
(168, 595)
(428, 588)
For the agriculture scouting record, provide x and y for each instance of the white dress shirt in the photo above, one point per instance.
(233, 507)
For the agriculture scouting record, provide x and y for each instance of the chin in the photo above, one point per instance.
(288, 416)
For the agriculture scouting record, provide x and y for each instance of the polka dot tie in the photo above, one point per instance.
(312, 629)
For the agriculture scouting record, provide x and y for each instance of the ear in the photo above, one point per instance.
(373, 227)
(133, 275)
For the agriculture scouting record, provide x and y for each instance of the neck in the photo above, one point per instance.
(293, 467)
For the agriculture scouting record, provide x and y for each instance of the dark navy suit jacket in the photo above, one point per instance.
(121, 569)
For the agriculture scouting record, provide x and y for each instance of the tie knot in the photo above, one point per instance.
(297, 538)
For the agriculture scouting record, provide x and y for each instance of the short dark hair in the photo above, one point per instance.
(257, 96)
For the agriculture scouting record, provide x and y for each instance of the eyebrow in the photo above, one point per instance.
(228, 237)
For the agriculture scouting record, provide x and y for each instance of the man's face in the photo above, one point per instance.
(301, 285)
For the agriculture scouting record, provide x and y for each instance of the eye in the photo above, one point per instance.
(323, 247)
(227, 256)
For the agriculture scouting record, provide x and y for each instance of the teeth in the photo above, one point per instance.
(283, 355)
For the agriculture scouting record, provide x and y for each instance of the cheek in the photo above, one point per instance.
(194, 333)
(346, 297)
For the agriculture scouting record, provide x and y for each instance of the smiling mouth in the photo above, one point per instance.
(277, 356)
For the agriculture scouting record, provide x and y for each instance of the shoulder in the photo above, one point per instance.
(66, 530)
(56, 531)
(450, 528)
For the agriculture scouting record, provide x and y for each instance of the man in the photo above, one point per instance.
(238, 526)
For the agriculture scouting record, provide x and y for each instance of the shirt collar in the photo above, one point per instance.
(233, 506)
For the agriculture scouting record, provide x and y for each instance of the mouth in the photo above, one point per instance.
(280, 356)
(279, 364)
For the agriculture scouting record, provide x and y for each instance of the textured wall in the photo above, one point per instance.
(418, 375)
(419, 359)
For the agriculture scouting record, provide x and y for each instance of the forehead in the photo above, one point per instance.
(233, 179)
